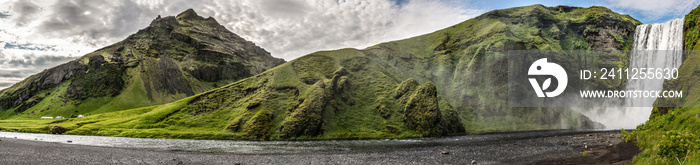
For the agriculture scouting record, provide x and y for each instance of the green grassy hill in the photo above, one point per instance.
(449, 82)
(173, 58)
(469, 65)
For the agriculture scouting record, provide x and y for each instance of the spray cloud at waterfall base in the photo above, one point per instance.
(615, 88)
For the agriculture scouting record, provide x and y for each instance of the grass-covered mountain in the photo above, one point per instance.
(469, 64)
(452, 81)
(172, 58)
(672, 134)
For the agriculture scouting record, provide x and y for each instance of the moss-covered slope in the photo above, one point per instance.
(171, 59)
(468, 63)
(452, 81)
(325, 95)
(689, 72)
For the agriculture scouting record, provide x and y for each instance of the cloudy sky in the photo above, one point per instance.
(38, 34)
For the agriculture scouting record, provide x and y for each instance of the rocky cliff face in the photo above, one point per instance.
(174, 57)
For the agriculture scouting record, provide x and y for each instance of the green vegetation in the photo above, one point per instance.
(173, 58)
(467, 62)
(269, 107)
(692, 35)
(668, 137)
(449, 82)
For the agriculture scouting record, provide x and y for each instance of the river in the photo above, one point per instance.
(532, 147)
(280, 146)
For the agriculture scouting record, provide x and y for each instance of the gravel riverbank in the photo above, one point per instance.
(599, 147)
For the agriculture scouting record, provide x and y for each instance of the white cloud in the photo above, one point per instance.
(421, 17)
(323, 25)
(286, 28)
(656, 9)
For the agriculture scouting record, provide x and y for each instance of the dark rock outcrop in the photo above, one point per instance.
(101, 78)
(19, 95)
(605, 32)
(58, 130)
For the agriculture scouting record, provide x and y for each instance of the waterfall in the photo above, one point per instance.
(655, 46)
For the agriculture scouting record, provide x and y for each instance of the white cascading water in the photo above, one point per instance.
(655, 46)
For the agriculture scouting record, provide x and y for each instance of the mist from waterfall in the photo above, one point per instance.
(651, 49)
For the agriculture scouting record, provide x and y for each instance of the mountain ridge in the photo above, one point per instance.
(174, 57)
(448, 82)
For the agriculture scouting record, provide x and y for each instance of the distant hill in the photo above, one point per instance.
(172, 58)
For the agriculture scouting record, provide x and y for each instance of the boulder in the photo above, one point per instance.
(58, 130)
